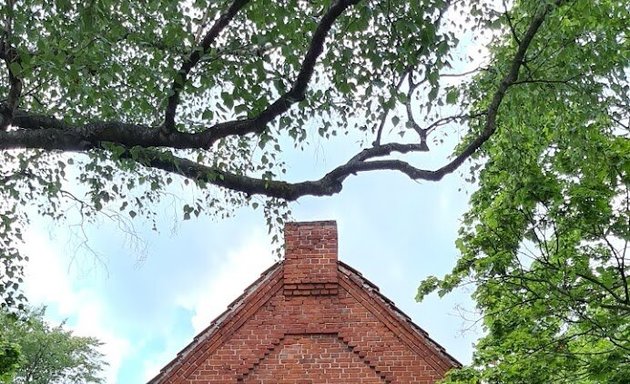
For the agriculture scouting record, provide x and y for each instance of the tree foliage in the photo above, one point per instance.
(41, 354)
(9, 358)
(545, 242)
(125, 98)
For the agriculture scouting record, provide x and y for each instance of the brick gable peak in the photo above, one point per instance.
(310, 269)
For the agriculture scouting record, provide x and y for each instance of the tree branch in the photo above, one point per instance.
(508, 80)
(284, 102)
(381, 125)
(297, 91)
(53, 134)
(193, 59)
(240, 183)
(12, 61)
(506, 14)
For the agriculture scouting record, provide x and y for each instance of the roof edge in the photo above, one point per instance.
(275, 272)
(312, 223)
(232, 310)
(401, 316)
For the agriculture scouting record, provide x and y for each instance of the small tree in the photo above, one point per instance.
(42, 354)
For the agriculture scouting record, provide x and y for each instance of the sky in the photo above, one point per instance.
(146, 294)
(147, 297)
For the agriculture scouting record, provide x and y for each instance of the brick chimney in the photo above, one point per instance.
(310, 258)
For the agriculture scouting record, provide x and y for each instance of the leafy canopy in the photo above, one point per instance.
(42, 354)
(545, 242)
(108, 104)
(9, 358)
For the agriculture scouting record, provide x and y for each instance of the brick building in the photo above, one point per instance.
(310, 319)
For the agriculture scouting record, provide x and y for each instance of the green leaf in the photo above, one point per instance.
(452, 95)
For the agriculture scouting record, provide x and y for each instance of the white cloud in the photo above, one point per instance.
(48, 282)
(224, 281)
(230, 276)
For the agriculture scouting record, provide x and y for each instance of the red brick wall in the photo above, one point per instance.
(310, 322)
(337, 327)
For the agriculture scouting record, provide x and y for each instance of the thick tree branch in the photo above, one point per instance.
(297, 91)
(193, 59)
(327, 185)
(49, 133)
(240, 183)
(62, 136)
(12, 60)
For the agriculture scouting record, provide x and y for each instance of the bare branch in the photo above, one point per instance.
(462, 74)
(549, 81)
(412, 121)
(448, 119)
(381, 126)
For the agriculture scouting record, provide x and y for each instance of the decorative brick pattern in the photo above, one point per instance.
(316, 330)
(316, 289)
(313, 358)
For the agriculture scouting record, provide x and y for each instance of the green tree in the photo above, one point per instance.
(42, 354)
(545, 242)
